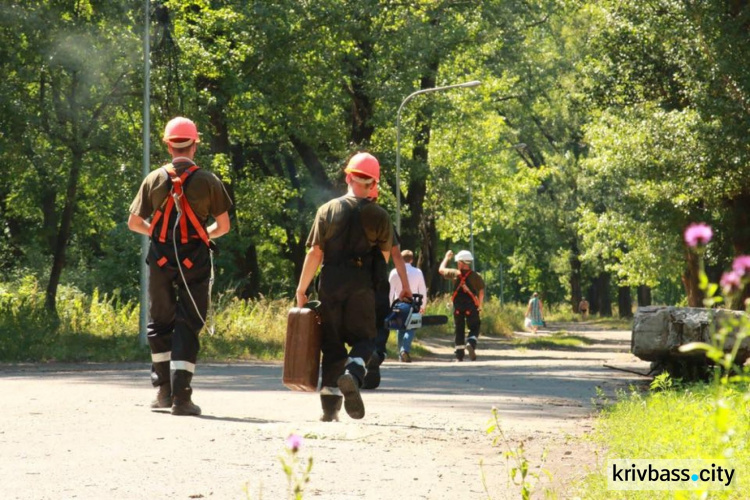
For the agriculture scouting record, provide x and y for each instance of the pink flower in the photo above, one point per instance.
(294, 442)
(698, 234)
(741, 265)
(730, 281)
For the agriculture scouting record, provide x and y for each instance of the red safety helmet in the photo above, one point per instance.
(180, 132)
(365, 165)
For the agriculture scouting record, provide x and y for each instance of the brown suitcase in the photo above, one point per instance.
(302, 350)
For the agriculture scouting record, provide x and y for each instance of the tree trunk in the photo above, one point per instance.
(429, 257)
(251, 288)
(63, 233)
(426, 234)
(624, 302)
(740, 216)
(575, 278)
(295, 233)
(600, 300)
(690, 281)
(313, 165)
(361, 118)
(644, 295)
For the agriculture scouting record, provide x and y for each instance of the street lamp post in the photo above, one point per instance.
(146, 168)
(471, 218)
(473, 83)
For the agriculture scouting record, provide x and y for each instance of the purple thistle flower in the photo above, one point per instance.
(741, 265)
(698, 234)
(730, 281)
(294, 442)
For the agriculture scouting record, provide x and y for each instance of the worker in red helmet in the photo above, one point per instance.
(173, 207)
(346, 235)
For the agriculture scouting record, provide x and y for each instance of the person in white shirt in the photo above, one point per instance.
(417, 285)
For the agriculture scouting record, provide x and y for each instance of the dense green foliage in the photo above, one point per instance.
(599, 131)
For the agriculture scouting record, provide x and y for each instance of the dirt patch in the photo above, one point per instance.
(85, 431)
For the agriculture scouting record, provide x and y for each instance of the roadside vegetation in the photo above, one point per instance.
(103, 327)
(673, 421)
(699, 420)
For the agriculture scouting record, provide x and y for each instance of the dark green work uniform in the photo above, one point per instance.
(174, 318)
(350, 231)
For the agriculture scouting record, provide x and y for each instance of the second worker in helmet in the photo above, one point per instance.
(345, 237)
(468, 297)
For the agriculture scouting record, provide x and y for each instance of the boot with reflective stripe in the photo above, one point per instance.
(349, 384)
(181, 394)
(160, 378)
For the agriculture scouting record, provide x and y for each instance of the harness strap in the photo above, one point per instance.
(157, 216)
(165, 224)
(178, 183)
(462, 282)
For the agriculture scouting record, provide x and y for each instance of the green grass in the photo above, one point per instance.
(96, 328)
(690, 422)
(562, 313)
(497, 320)
(558, 340)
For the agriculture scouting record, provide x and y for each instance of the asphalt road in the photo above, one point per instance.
(86, 431)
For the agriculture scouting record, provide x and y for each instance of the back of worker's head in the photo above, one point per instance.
(408, 256)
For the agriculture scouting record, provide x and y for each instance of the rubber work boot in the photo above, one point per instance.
(472, 351)
(163, 397)
(349, 385)
(331, 405)
(182, 403)
(372, 377)
(160, 378)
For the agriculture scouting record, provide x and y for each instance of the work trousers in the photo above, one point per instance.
(463, 318)
(174, 321)
(347, 314)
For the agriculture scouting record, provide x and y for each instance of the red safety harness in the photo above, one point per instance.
(176, 200)
(461, 283)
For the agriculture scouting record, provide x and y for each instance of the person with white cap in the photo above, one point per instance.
(345, 237)
(173, 207)
(468, 297)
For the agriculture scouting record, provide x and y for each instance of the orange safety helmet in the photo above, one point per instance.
(180, 132)
(364, 164)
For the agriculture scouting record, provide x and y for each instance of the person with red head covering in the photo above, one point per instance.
(347, 235)
(173, 207)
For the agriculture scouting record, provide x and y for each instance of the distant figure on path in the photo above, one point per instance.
(535, 312)
(583, 308)
(468, 297)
